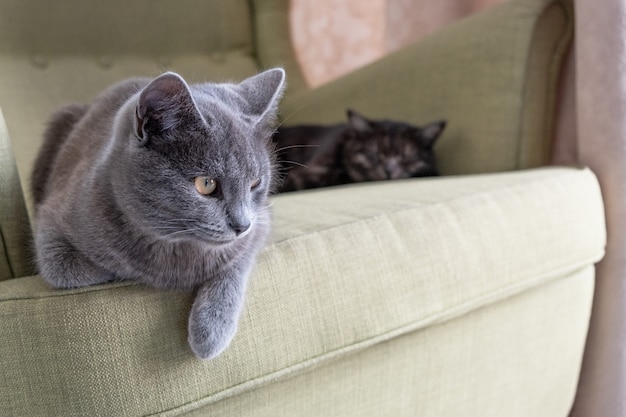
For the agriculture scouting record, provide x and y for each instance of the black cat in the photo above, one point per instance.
(359, 150)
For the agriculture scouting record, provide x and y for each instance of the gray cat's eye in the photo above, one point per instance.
(255, 183)
(205, 185)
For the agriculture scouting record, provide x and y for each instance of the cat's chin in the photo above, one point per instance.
(221, 242)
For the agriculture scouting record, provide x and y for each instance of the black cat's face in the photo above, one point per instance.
(384, 150)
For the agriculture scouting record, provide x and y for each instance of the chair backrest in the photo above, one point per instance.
(161, 27)
(54, 53)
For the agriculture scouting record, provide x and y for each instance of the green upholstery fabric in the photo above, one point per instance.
(460, 296)
(454, 258)
(118, 27)
(484, 364)
(499, 100)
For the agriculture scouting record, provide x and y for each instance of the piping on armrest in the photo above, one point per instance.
(15, 232)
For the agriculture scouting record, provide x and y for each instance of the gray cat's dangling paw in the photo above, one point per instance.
(214, 317)
(208, 338)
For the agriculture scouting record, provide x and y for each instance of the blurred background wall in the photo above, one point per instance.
(334, 37)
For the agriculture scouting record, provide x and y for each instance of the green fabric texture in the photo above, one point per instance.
(421, 254)
(15, 234)
(118, 27)
(430, 369)
(493, 76)
(468, 295)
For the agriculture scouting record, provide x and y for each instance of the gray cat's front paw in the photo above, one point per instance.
(210, 335)
(214, 315)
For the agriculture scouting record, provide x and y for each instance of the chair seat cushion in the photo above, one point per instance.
(347, 270)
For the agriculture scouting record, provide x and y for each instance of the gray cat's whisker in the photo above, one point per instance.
(179, 232)
(296, 146)
(295, 163)
(176, 220)
(293, 113)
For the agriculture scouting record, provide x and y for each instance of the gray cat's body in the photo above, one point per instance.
(165, 184)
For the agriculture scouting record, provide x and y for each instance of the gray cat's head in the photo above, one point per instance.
(382, 150)
(198, 158)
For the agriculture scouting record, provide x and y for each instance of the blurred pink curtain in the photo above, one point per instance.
(600, 80)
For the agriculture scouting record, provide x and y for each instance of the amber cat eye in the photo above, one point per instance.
(255, 183)
(205, 185)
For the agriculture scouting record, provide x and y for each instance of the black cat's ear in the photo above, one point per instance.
(263, 92)
(161, 106)
(430, 133)
(358, 122)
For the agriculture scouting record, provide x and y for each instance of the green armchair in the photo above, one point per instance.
(464, 295)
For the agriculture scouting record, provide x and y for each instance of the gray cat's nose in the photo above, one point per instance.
(239, 227)
(239, 220)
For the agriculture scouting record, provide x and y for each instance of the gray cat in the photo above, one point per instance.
(163, 183)
(360, 150)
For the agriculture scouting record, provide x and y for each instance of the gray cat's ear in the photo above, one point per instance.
(161, 106)
(358, 122)
(263, 92)
(430, 133)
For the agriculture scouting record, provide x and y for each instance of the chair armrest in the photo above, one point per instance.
(332, 282)
(493, 76)
(15, 233)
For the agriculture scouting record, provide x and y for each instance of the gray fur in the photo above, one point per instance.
(115, 197)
